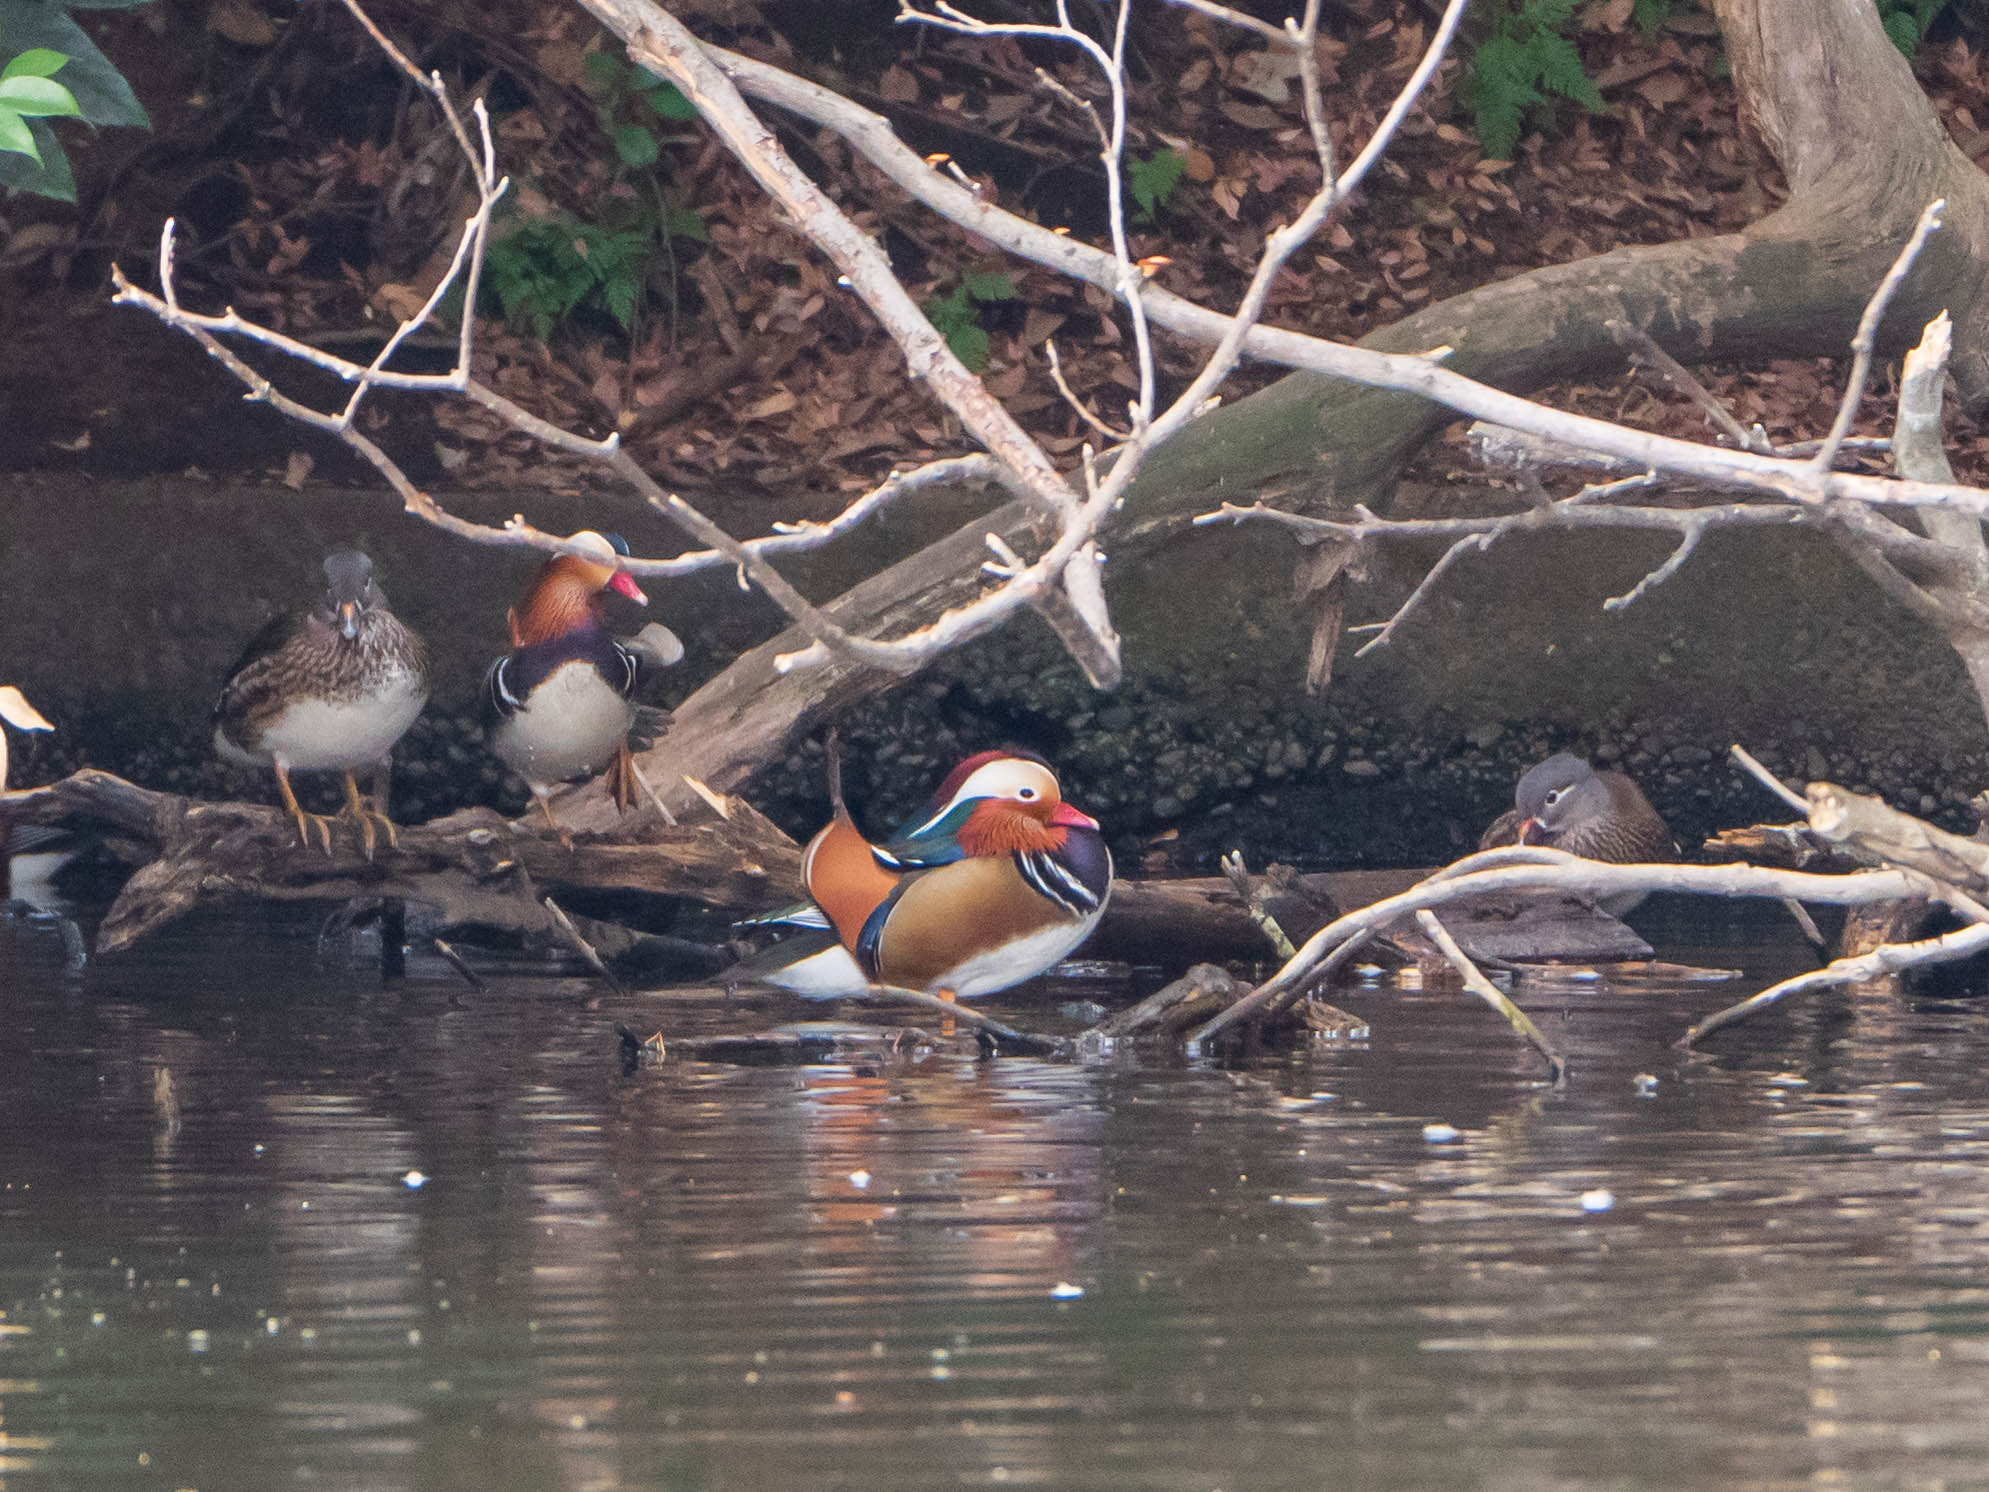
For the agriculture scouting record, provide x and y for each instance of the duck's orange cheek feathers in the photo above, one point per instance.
(996, 831)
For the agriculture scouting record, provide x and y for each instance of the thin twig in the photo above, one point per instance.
(1235, 18)
(1746, 761)
(459, 963)
(1491, 994)
(1676, 375)
(967, 1016)
(1077, 405)
(1238, 875)
(586, 949)
(1865, 343)
(649, 791)
(1688, 542)
(1304, 38)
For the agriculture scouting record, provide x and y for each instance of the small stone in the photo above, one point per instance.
(1169, 807)
(1361, 768)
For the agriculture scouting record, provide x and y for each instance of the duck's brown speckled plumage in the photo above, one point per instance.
(328, 691)
(1566, 804)
(307, 657)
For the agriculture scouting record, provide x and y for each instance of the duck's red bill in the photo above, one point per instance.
(624, 584)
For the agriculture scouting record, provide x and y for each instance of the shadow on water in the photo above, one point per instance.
(407, 1235)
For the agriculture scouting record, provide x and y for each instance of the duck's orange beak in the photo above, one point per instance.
(348, 619)
(623, 583)
(1530, 831)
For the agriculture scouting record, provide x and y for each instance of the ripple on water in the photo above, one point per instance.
(925, 1269)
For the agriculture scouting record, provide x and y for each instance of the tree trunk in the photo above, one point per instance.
(1864, 153)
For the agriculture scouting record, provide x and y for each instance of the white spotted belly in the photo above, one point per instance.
(569, 727)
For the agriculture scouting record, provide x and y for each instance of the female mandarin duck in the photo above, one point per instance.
(1566, 804)
(999, 881)
(328, 691)
(561, 703)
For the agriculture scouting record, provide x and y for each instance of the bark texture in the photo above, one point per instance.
(1863, 151)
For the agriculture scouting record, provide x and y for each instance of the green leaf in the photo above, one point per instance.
(36, 62)
(16, 137)
(667, 100)
(1499, 92)
(1651, 14)
(102, 95)
(1152, 181)
(970, 345)
(687, 224)
(636, 146)
(1900, 27)
(40, 97)
(604, 70)
(618, 295)
(989, 285)
(48, 177)
(1560, 70)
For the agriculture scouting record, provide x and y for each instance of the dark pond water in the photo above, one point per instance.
(1763, 1267)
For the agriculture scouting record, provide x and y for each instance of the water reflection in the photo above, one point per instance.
(399, 1236)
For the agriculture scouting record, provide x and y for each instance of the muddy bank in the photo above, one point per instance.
(124, 604)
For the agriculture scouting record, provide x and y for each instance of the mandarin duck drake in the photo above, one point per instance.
(559, 706)
(330, 690)
(998, 881)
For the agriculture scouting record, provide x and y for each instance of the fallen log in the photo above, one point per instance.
(475, 868)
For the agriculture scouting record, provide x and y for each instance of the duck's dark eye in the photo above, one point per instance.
(1554, 797)
(1025, 794)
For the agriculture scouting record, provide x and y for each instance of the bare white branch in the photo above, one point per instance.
(1537, 869)
(1888, 958)
(1865, 342)
(1768, 779)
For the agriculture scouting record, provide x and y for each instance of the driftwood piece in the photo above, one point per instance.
(1866, 826)
(473, 867)
(1187, 1002)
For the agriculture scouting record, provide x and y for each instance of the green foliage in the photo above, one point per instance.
(545, 269)
(35, 31)
(957, 317)
(1152, 181)
(28, 90)
(1523, 60)
(1651, 14)
(631, 101)
(1906, 21)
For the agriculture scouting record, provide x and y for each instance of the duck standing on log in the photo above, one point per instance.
(998, 881)
(560, 705)
(330, 690)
